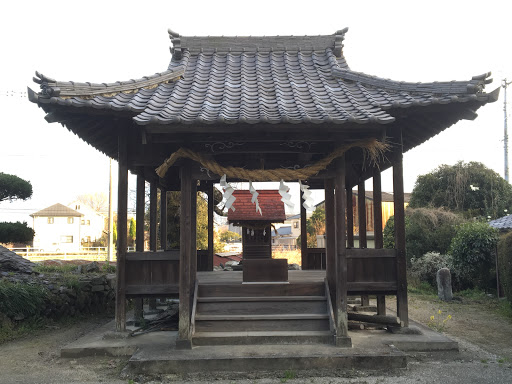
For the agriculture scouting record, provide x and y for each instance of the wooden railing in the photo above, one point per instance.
(368, 270)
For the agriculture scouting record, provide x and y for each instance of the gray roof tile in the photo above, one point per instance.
(258, 79)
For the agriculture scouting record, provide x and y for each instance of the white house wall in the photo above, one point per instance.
(51, 237)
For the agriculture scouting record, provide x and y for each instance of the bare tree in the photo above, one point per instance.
(97, 201)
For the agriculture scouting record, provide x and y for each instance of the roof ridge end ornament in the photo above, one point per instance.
(339, 36)
(172, 34)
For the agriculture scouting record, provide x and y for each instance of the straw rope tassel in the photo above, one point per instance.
(373, 148)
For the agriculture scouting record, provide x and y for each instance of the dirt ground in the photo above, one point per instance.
(485, 341)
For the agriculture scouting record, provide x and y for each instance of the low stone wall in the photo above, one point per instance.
(69, 294)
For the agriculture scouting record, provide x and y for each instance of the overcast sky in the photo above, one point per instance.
(106, 41)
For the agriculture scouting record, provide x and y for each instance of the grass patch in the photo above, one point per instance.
(64, 268)
(421, 288)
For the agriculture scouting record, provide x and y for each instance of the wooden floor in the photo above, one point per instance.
(234, 277)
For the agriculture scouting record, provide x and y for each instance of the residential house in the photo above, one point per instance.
(92, 223)
(57, 229)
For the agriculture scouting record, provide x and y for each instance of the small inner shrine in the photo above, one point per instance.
(256, 212)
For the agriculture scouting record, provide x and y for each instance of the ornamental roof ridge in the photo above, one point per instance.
(240, 44)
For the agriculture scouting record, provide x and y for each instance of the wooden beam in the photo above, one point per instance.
(303, 235)
(330, 232)
(398, 197)
(377, 229)
(163, 219)
(152, 216)
(184, 336)
(211, 205)
(122, 231)
(350, 218)
(342, 338)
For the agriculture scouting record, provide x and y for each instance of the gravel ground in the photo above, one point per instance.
(35, 359)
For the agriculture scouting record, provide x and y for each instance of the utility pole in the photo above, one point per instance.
(110, 217)
(505, 84)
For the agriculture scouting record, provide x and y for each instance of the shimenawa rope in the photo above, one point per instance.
(373, 148)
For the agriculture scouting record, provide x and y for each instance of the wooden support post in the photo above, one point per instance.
(139, 238)
(163, 219)
(153, 228)
(361, 214)
(377, 228)
(152, 216)
(193, 241)
(398, 199)
(303, 236)
(122, 232)
(330, 232)
(211, 205)
(350, 218)
(184, 337)
(342, 339)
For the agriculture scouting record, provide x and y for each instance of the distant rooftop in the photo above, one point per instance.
(502, 223)
(57, 210)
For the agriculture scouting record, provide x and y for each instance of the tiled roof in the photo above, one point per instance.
(230, 80)
(502, 223)
(57, 210)
(272, 208)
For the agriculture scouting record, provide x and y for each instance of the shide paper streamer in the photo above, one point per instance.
(228, 193)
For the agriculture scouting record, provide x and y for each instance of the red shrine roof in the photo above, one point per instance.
(272, 208)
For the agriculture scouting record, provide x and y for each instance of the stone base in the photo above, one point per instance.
(342, 341)
(183, 344)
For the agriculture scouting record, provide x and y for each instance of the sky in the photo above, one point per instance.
(106, 41)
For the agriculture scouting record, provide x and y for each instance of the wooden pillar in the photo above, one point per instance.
(152, 216)
(350, 218)
(139, 237)
(211, 205)
(184, 337)
(361, 214)
(193, 232)
(377, 229)
(303, 236)
(398, 199)
(342, 339)
(330, 233)
(122, 232)
(163, 219)
(153, 247)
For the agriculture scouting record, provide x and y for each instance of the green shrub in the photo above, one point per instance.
(425, 268)
(505, 264)
(21, 300)
(15, 233)
(426, 230)
(472, 250)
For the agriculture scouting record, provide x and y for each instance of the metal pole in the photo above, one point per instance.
(505, 133)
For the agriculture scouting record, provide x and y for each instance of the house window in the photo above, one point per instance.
(66, 239)
(51, 220)
(83, 222)
(88, 222)
(70, 220)
(295, 224)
